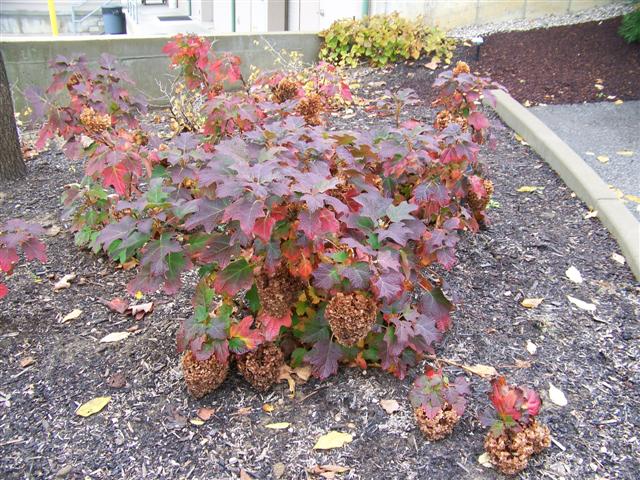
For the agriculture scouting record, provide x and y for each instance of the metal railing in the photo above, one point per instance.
(75, 21)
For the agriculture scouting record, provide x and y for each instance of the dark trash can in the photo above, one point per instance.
(115, 23)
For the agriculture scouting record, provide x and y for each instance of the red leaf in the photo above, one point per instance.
(114, 176)
(8, 257)
(272, 325)
(345, 91)
(3, 290)
(477, 186)
(242, 338)
(505, 398)
(263, 228)
(319, 222)
(246, 212)
(478, 121)
(117, 304)
(34, 249)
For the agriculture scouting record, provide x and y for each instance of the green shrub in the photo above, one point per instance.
(383, 39)
(630, 28)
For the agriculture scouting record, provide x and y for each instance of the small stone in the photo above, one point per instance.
(64, 471)
(278, 470)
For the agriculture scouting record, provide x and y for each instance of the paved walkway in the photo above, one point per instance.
(602, 130)
(149, 22)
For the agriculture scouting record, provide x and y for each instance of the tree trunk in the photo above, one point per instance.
(11, 163)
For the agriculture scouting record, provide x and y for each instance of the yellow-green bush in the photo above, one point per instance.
(383, 39)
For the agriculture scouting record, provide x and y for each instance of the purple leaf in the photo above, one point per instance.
(325, 276)
(324, 357)
(389, 285)
(397, 213)
(208, 213)
(246, 211)
(358, 275)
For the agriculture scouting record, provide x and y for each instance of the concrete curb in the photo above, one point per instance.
(578, 176)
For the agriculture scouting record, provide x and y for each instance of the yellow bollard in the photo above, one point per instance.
(53, 18)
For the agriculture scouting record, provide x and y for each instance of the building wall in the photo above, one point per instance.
(314, 15)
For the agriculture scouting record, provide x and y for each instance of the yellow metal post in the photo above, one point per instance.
(53, 18)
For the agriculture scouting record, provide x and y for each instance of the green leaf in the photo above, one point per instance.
(340, 256)
(253, 299)
(237, 276)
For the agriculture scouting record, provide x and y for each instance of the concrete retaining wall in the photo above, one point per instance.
(26, 59)
(35, 23)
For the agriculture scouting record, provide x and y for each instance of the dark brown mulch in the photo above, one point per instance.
(563, 64)
(145, 431)
(554, 65)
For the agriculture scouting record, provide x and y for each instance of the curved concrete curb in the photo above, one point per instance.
(578, 176)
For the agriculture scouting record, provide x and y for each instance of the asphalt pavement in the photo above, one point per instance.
(607, 136)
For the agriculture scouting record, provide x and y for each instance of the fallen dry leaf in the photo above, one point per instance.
(532, 348)
(64, 282)
(53, 230)
(93, 406)
(116, 380)
(531, 302)
(268, 408)
(196, 421)
(26, 361)
(597, 86)
(328, 471)
(72, 315)
(333, 439)
(139, 311)
(625, 153)
(433, 64)
(117, 304)
(618, 258)
(557, 396)
(390, 406)
(114, 337)
(590, 214)
(589, 307)
(285, 374)
(303, 373)
(529, 189)
(522, 363)
(618, 102)
(573, 274)
(278, 425)
(602, 158)
(484, 371)
(485, 460)
(205, 413)
(243, 411)
(244, 475)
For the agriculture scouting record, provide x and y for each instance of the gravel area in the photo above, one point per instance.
(592, 14)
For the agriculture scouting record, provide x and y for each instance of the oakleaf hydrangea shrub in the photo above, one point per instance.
(438, 403)
(17, 235)
(514, 434)
(312, 246)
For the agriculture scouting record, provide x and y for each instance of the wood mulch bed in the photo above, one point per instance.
(554, 65)
(145, 432)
